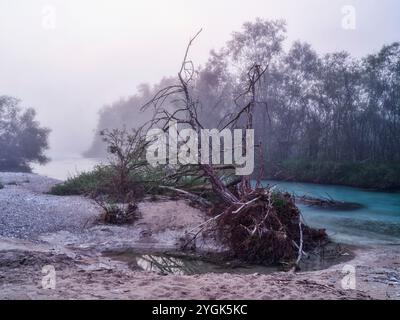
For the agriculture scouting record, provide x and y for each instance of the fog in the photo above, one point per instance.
(67, 59)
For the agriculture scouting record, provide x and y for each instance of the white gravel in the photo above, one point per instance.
(26, 211)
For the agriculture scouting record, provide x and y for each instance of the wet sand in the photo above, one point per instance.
(82, 276)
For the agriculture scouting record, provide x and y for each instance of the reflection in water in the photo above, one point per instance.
(166, 263)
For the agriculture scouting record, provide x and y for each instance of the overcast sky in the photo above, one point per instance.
(67, 58)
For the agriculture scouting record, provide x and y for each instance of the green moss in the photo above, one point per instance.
(279, 201)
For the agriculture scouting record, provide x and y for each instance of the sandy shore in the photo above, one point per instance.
(74, 249)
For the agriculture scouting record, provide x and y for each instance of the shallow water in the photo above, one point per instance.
(174, 263)
(378, 222)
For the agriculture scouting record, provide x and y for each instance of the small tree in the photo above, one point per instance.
(126, 158)
(22, 140)
(120, 188)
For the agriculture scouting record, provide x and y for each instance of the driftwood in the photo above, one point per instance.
(329, 203)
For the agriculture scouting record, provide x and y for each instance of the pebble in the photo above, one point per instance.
(27, 211)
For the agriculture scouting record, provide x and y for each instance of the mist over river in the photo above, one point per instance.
(62, 167)
(378, 222)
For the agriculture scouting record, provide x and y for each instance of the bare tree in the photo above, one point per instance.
(187, 113)
(250, 223)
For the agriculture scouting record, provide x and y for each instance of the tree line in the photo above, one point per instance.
(309, 107)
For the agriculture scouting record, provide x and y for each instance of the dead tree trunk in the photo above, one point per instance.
(257, 224)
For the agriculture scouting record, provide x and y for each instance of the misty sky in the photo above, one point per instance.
(67, 58)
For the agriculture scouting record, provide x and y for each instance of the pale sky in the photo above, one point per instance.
(67, 58)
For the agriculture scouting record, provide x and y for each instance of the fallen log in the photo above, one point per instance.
(190, 196)
(330, 204)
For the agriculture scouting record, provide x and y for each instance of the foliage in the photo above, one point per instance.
(118, 213)
(382, 176)
(84, 183)
(22, 140)
(100, 181)
(309, 107)
(126, 159)
(118, 185)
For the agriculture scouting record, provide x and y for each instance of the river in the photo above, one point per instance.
(378, 222)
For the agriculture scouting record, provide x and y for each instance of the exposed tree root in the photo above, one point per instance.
(268, 228)
(265, 227)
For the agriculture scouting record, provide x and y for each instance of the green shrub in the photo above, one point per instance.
(102, 179)
(83, 183)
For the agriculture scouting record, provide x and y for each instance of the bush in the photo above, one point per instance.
(118, 213)
(118, 185)
(84, 183)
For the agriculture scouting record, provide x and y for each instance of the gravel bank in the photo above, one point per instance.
(26, 211)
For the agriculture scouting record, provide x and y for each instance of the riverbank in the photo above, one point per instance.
(82, 275)
(38, 230)
(371, 176)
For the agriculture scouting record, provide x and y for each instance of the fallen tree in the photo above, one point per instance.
(257, 224)
(329, 203)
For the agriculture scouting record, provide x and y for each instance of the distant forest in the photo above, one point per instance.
(326, 118)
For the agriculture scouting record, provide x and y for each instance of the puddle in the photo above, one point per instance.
(180, 264)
